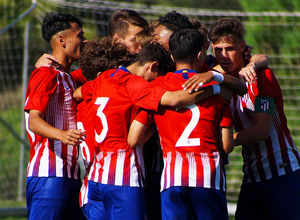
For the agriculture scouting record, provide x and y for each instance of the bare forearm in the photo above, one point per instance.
(259, 61)
(77, 94)
(234, 84)
(182, 98)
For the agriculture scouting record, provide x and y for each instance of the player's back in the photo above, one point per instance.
(189, 137)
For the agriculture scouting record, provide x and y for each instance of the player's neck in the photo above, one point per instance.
(189, 66)
(64, 62)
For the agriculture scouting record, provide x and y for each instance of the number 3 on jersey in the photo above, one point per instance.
(102, 103)
(184, 140)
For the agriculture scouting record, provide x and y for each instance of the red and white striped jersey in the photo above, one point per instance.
(50, 91)
(277, 155)
(85, 122)
(189, 137)
(116, 100)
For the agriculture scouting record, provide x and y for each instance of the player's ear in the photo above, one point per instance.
(154, 66)
(242, 45)
(98, 74)
(116, 38)
(172, 58)
(61, 40)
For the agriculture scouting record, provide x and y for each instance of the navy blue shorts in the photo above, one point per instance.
(277, 198)
(53, 198)
(116, 202)
(180, 202)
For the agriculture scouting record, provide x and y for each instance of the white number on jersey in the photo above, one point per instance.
(184, 140)
(102, 102)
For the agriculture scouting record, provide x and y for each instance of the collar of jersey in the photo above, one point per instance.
(185, 72)
(123, 68)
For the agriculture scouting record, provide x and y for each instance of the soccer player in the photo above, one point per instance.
(192, 136)
(95, 59)
(116, 177)
(122, 27)
(53, 174)
(271, 183)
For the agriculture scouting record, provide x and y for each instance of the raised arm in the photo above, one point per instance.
(183, 97)
(47, 60)
(231, 82)
(257, 61)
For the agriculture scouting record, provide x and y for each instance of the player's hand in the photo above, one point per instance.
(47, 60)
(225, 93)
(73, 137)
(248, 74)
(196, 81)
(247, 52)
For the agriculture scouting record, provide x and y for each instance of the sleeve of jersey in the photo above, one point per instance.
(143, 94)
(226, 120)
(42, 85)
(144, 117)
(78, 77)
(267, 90)
(87, 90)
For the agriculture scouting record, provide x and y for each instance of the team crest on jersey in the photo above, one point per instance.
(264, 104)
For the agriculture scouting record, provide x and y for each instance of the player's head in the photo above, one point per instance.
(186, 46)
(64, 31)
(98, 57)
(157, 59)
(169, 23)
(203, 31)
(124, 25)
(143, 38)
(226, 36)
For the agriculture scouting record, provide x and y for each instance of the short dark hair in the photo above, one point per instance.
(56, 22)
(185, 44)
(156, 52)
(120, 20)
(230, 28)
(100, 56)
(174, 21)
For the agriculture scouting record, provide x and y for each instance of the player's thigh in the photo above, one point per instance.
(122, 202)
(46, 197)
(282, 196)
(73, 210)
(209, 204)
(250, 204)
(95, 207)
(176, 203)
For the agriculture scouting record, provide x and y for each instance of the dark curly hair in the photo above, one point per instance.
(56, 22)
(100, 56)
(156, 52)
(174, 21)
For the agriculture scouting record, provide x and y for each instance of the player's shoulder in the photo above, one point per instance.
(43, 73)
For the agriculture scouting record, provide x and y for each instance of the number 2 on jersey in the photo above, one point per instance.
(184, 140)
(102, 103)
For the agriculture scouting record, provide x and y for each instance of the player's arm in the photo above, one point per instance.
(258, 132)
(257, 61)
(228, 81)
(77, 94)
(38, 125)
(183, 97)
(47, 60)
(139, 133)
(226, 142)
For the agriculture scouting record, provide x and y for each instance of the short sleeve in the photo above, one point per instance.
(41, 87)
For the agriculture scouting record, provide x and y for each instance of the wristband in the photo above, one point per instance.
(216, 89)
(218, 77)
